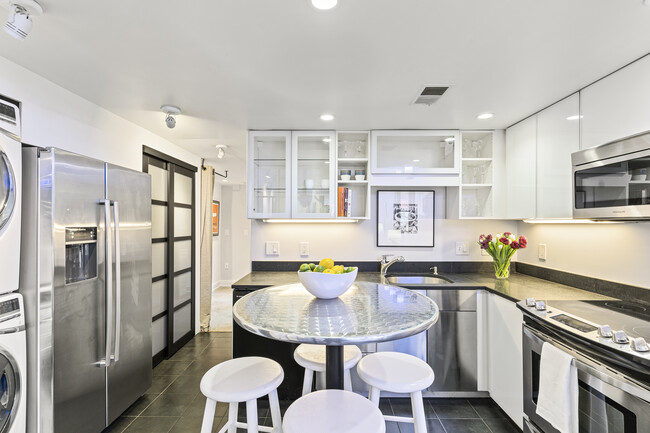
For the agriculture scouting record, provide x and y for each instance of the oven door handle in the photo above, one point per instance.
(593, 368)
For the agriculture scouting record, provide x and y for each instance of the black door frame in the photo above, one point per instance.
(173, 165)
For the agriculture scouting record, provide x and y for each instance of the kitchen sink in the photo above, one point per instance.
(415, 279)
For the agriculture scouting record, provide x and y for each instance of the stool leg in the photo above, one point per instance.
(276, 417)
(347, 381)
(232, 417)
(251, 416)
(208, 416)
(374, 394)
(306, 383)
(417, 405)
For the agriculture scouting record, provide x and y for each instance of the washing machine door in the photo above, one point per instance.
(7, 189)
(9, 391)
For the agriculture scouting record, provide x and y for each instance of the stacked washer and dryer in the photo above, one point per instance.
(13, 359)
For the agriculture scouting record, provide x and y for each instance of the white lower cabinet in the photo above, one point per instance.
(500, 343)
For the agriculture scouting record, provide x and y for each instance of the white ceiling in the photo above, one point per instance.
(233, 65)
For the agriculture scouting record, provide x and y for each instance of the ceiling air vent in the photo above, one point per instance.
(430, 94)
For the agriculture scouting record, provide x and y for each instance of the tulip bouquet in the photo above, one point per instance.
(502, 247)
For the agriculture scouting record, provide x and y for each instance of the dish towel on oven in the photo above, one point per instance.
(557, 402)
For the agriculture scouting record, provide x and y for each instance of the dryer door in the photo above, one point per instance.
(7, 189)
(9, 391)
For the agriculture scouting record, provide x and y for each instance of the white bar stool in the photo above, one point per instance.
(401, 373)
(333, 411)
(242, 380)
(312, 358)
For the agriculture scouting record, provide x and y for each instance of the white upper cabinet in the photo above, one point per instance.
(616, 106)
(558, 136)
(521, 142)
(313, 178)
(415, 152)
(269, 174)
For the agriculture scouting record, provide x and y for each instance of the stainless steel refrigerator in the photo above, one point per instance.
(86, 282)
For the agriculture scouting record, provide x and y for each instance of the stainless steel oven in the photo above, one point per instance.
(609, 401)
(612, 181)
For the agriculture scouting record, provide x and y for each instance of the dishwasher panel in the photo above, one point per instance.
(452, 354)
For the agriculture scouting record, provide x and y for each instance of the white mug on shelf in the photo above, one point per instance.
(309, 183)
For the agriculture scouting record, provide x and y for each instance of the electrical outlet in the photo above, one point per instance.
(226, 266)
(461, 248)
(272, 248)
(304, 249)
(541, 252)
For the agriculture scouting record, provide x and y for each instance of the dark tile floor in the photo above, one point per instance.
(174, 403)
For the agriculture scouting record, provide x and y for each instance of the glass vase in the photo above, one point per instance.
(502, 269)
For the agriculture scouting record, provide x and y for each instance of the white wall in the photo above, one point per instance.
(348, 242)
(614, 252)
(236, 229)
(55, 117)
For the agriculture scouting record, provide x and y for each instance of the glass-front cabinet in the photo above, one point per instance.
(313, 181)
(413, 152)
(269, 174)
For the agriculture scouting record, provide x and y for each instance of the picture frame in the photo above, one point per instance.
(215, 217)
(405, 218)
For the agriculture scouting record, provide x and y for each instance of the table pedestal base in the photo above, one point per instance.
(334, 367)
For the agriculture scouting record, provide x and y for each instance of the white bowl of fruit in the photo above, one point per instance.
(326, 280)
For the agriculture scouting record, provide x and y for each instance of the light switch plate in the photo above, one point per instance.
(461, 248)
(541, 252)
(304, 249)
(272, 248)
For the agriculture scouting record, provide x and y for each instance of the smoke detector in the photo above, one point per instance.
(430, 94)
(19, 23)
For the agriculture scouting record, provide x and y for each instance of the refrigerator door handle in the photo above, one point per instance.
(108, 280)
(118, 282)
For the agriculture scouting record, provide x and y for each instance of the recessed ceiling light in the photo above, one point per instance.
(416, 160)
(575, 117)
(324, 4)
(484, 116)
(326, 117)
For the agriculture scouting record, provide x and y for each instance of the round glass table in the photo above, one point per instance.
(366, 313)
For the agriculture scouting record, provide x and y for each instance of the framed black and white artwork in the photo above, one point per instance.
(405, 218)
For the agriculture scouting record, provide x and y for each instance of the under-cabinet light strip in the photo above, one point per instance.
(566, 221)
(313, 221)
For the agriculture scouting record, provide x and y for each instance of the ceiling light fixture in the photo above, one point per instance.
(221, 150)
(327, 117)
(324, 4)
(170, 111)
(19, 23)
(484, 116)
(575, 117)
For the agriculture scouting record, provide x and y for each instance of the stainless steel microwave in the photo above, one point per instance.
(612, 181)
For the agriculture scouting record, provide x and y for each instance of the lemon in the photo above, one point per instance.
(338, 269)
(327, 263)
(329, 271)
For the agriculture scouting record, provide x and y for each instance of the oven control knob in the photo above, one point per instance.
(540, 306)
(606, 331)
(639, 344)
(530, 302)
(620, 337)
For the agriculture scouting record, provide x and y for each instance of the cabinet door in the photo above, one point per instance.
(521, 142)
(313, 180)
(269, 174)
(406, 152)
(558, 135)
(616, 106)
(505, 356)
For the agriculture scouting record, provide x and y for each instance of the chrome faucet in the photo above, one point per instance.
(385, 263)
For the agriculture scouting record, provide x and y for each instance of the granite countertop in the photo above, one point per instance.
(517, 288)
